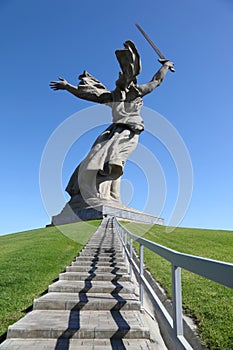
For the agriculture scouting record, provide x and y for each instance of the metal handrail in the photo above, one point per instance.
(214, 270)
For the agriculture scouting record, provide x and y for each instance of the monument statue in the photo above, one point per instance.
(96, 180)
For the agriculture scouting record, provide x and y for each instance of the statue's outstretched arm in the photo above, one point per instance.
(62, 84)
(157, 78)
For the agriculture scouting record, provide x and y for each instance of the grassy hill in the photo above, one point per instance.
(208, 303)
(31, 260)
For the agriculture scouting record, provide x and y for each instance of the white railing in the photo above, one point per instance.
(217, 271)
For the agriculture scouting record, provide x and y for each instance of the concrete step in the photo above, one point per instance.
(86, 301)
(97, 251)
(97, 263)
(92, 287)
(103, 244)
(75, 344)
(98, 276)
(102, 254)
(94, 251)
(96, 269)
(80, 325)
(97, 247)
(91, 259)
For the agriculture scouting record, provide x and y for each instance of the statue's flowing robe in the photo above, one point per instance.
(112, 148)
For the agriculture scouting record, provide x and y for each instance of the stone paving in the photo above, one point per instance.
(93, 305)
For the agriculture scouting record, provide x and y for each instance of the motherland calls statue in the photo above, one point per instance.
(96, 180)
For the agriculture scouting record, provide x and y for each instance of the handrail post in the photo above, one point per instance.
(177, 300)
(130, 258)
(141, 289)
(125, 246)
(122, 243)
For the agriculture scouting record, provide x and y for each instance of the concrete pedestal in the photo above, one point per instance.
(70, 214)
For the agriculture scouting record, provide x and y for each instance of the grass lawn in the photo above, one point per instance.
(208, 303)
(31, 260)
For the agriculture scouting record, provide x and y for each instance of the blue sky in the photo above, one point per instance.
(41, 40)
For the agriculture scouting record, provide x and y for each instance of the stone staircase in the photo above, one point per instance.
(93, 305)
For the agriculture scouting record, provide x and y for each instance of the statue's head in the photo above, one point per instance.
(130, 64)
(123, 82)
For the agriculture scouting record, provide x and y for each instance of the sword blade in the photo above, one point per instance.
(152, 44)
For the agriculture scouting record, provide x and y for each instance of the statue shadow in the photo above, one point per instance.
(116, 339)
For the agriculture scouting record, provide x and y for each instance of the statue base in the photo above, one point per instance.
(72, 214)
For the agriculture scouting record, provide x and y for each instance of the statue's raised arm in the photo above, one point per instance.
(157, 78)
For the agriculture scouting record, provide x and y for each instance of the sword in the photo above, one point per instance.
(152, 44)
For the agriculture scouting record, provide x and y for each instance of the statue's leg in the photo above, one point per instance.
(115, 189)
(87, 184)
(104, 189)
(108, 182)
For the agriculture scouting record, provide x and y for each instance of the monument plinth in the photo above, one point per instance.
(71, 214)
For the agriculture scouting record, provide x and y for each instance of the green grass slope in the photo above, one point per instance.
(31, 260)
(208, 303)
